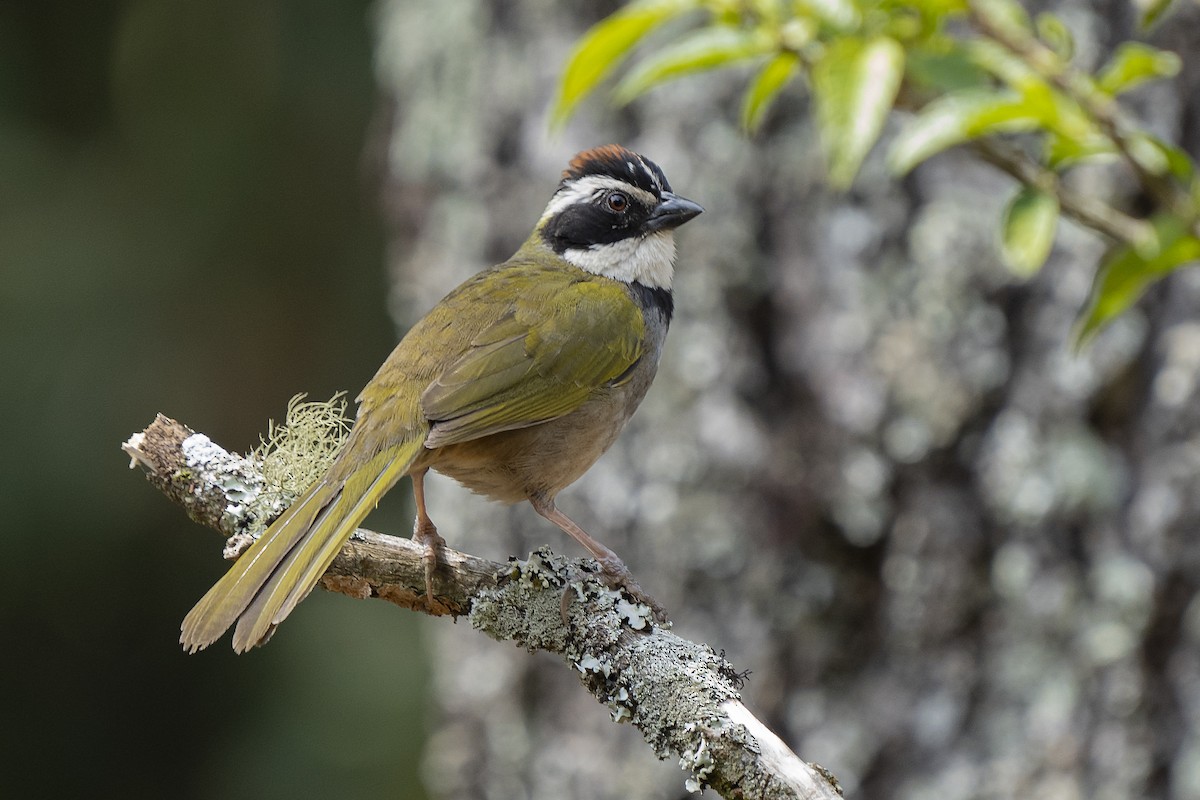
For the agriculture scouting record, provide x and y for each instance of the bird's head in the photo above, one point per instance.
(614, 214)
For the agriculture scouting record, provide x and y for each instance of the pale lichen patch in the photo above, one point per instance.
(638, 616)
(696, 759)
(238, 479)
(670, 689)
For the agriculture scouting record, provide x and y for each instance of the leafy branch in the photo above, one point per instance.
(981, 73)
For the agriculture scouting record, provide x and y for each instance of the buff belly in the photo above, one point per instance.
(541, 460)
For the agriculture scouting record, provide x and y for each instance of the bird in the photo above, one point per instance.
(513, 385)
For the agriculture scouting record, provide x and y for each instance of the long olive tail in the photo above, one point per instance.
(281, 568)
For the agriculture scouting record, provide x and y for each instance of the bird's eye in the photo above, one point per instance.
(617, 201)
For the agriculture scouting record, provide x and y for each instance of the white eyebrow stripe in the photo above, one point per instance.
(654, 178)
(589, 187)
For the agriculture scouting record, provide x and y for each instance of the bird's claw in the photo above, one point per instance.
(428, 537)
(615, 575)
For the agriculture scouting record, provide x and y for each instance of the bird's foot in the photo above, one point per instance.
(426, 535)
(615, 575)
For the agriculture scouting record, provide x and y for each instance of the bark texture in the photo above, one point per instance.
(959, 559)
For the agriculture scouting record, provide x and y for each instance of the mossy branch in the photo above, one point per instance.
(682, 696)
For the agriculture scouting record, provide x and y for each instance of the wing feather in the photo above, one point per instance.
(552, 349)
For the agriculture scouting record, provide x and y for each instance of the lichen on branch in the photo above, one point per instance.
(682, 696)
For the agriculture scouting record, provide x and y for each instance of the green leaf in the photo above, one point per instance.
(944, 71)
(1066, 151)
(854, 86)
(1057, 112)
(1151, 10)
(1133, 64)
(957, 118)
(998, 60)
(1179, 162)
(1125, 274)
(939, 9)
(797, 33)
(1008, 16)
(1159, 157)
(603, 48)
(766, 86)
(700, 50)
(1027, 233)
(841, 15)
(1144, 150)
(1056, 35)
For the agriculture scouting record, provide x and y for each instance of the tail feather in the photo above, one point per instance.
(279, 569)
(296, 576)
(368, 499)
(229, 597)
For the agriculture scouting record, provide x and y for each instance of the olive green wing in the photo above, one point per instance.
(542, 358)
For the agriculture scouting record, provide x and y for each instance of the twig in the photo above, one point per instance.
(681, 695)
(1080, 88)
(1088, 211)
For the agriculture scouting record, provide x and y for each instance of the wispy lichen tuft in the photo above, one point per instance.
(295, 454)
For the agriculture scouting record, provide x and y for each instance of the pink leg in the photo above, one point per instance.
(424, 533)
(616, 574)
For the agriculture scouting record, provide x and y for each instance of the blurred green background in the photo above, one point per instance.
(188, 224)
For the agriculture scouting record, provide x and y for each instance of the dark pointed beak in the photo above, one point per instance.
(672, 211)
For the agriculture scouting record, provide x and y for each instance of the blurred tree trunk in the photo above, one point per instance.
(959, 559)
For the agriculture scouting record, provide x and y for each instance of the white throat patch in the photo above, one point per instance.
(648, 260)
